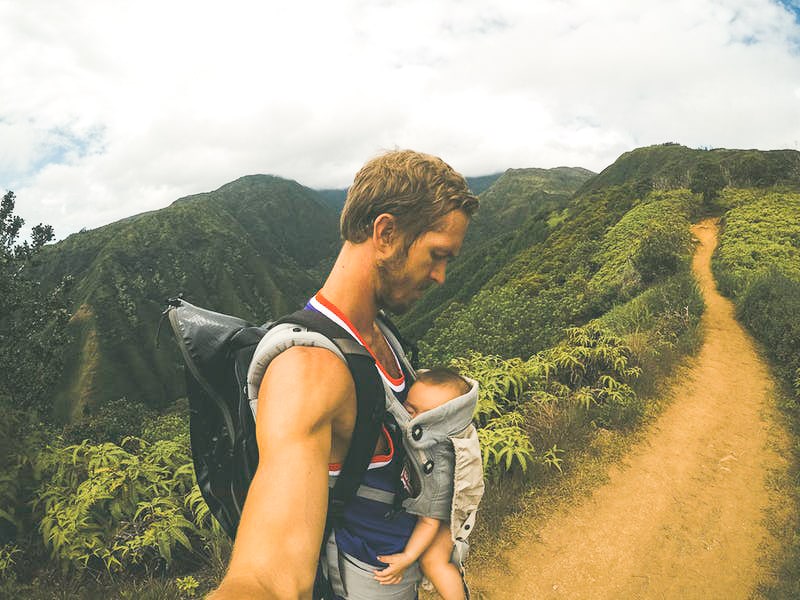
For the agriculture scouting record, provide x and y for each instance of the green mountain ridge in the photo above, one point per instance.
(670, 166)
(256, 247)
(559, 280)
(511, 217)
(543, 253)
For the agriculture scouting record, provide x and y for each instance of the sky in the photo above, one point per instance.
(110, 108)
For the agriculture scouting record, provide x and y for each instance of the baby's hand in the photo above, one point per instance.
(392, 574)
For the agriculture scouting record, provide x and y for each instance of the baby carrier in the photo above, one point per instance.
(444, 465)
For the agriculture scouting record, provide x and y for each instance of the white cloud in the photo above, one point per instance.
(109, 109)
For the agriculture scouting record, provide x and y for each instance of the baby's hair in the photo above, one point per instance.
(445, 376)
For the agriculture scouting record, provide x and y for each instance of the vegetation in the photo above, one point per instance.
(240, 249)
(521, 208)
(117, 507)
(757, 264)
(32, 317)
(572, 300)
(671, 166)
(607, 253)
(520, 402)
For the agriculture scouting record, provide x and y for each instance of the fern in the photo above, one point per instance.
(116, 506)
(501, 382)
(504, 443)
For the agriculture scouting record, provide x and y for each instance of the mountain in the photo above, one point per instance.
(514, 212)
(334, 198)
(601, 251)
(256, 248)
(521, 193)
(671, 166)
(549, 248)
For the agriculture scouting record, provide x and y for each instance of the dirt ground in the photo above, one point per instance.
(683, 516)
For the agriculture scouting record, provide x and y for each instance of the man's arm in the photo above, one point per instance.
(279, 537)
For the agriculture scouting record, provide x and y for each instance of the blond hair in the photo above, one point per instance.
(417, 189)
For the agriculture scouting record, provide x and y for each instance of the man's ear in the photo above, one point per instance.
(384, 231)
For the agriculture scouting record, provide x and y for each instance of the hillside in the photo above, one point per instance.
(543, 253)
(514, 213)
(256, 247)
(670, 166)
(573, 304)
(585, 261)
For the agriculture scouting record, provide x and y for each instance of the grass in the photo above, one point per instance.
(782, 558)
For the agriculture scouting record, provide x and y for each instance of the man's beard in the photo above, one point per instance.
(390, 279)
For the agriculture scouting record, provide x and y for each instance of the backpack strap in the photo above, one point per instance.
(370, 405)
(310, 328)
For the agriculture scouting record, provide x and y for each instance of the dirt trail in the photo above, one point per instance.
(683, 516)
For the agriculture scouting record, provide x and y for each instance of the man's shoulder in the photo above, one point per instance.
(309, 360)
(312, 372)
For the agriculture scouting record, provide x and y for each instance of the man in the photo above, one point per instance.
(405, 217)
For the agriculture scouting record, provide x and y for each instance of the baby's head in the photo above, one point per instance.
(433, 388)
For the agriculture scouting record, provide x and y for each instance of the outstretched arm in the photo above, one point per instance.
(304, 391)
(422, 537)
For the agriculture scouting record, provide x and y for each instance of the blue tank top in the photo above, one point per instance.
(371, 528)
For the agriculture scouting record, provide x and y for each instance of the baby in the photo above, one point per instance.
(430, 542)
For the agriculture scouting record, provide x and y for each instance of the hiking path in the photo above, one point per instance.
(683, 515)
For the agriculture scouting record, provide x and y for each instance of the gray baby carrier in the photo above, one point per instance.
(445, 460)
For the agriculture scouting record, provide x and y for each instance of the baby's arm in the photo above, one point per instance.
(421, 538)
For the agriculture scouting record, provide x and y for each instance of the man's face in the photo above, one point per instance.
(403, 278)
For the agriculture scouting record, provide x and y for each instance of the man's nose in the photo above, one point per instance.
(438, 273)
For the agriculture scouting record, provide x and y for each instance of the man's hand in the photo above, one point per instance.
(398, 563)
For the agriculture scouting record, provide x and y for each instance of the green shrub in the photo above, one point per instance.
(660, 252)
(663, 217)
(759, 235)
(504, 443)
(757, 263)
(171, 426)
(501, 382)
(8, 554)
(588, 373)
(110, 508)
(770, 307)
(22, 436)
(187, 585)
(110, 422)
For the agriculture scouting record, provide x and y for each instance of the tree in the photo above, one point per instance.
(660, 252)
(707, 179)
(32, 319)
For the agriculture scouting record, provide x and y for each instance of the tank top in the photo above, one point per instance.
(371, 528)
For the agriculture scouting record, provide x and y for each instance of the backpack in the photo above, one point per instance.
(217, 350)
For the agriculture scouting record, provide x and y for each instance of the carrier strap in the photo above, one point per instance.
(368, 492)
(370, 411)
